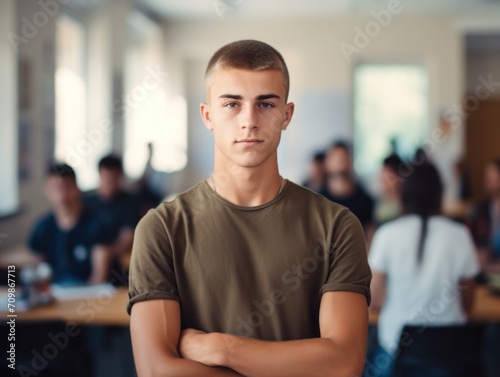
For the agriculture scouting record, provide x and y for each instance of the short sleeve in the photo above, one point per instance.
(349, 270)
(377, 257)
(152, 273)
(468, 261)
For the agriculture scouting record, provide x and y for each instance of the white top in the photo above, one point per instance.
(425, 294)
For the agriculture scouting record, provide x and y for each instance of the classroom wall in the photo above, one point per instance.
(321, 77)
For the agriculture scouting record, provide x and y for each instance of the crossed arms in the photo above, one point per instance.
(162, 349)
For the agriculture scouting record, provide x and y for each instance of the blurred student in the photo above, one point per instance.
(317, 173)
(341, 185)
(417, 260)
(389, 206)
(69, 238)
(484, 220)
(114, 207)
(150, 187)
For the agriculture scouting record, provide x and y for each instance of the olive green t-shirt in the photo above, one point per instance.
(252, 271)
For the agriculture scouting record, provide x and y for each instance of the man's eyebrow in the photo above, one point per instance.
(261, 97)
(231, 96)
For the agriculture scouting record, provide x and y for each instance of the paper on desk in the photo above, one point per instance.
(66, 293)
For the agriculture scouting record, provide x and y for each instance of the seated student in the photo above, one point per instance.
(484, 221)
(341, 186)
(416, 260)
(317, 174)
(114, 207)
(69, 238)
(389, 207)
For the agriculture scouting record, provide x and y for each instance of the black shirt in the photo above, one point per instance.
(359, 202)
(68, 252)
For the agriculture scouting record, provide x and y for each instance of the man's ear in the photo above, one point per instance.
(289, 109)
(205, 116)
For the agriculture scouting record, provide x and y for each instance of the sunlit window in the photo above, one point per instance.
(390, 106)
(9, 185)
(152, 114)
(70, 143)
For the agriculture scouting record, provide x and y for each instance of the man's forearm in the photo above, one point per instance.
(308, 357)
(185, 368)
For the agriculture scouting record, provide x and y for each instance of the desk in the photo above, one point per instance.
(111, 311)
(90, 311)
(486, 307)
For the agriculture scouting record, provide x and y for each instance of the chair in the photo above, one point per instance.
(450, 351)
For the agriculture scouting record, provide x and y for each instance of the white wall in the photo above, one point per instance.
(321, 77)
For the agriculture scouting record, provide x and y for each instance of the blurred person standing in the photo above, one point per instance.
(317, 173)
(389, 206)
(341, 185)
(417, 259)
(117, 209)
(69, 238)
(484, 220)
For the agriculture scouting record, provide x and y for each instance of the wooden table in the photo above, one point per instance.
(111, 310)
(90, 311)
(486, 307)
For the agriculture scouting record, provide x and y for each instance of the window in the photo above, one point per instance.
(151, 114)
(390, 107)
(9, 185)
(77, 142)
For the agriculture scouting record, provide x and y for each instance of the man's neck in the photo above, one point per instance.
(68, 217)
(247, 187)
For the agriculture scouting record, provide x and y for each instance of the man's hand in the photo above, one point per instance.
(201, 347)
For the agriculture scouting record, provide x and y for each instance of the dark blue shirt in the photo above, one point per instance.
(120, 212)
(68, 251)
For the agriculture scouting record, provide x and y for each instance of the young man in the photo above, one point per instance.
(114, 207)
(484, 220)
(342, 187)
(69, 238)
(248, 273)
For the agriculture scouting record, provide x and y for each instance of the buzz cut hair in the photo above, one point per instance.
(249, 55)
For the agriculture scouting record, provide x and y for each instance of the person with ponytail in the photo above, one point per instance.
(423, 267)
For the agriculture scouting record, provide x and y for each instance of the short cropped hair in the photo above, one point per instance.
(342, 144)
(111, 162)
(60, 170)
(393, 161)
(250, 55)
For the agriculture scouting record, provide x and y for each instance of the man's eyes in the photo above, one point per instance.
(266, 105)
(262, 105)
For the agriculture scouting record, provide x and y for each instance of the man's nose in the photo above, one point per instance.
(248, 118)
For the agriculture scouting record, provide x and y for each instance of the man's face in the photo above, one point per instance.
(247, 111)
(339, 172)
(492, 179)
(111, 181)
(62, 192)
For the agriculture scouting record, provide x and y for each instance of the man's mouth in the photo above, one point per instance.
(249, 141)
